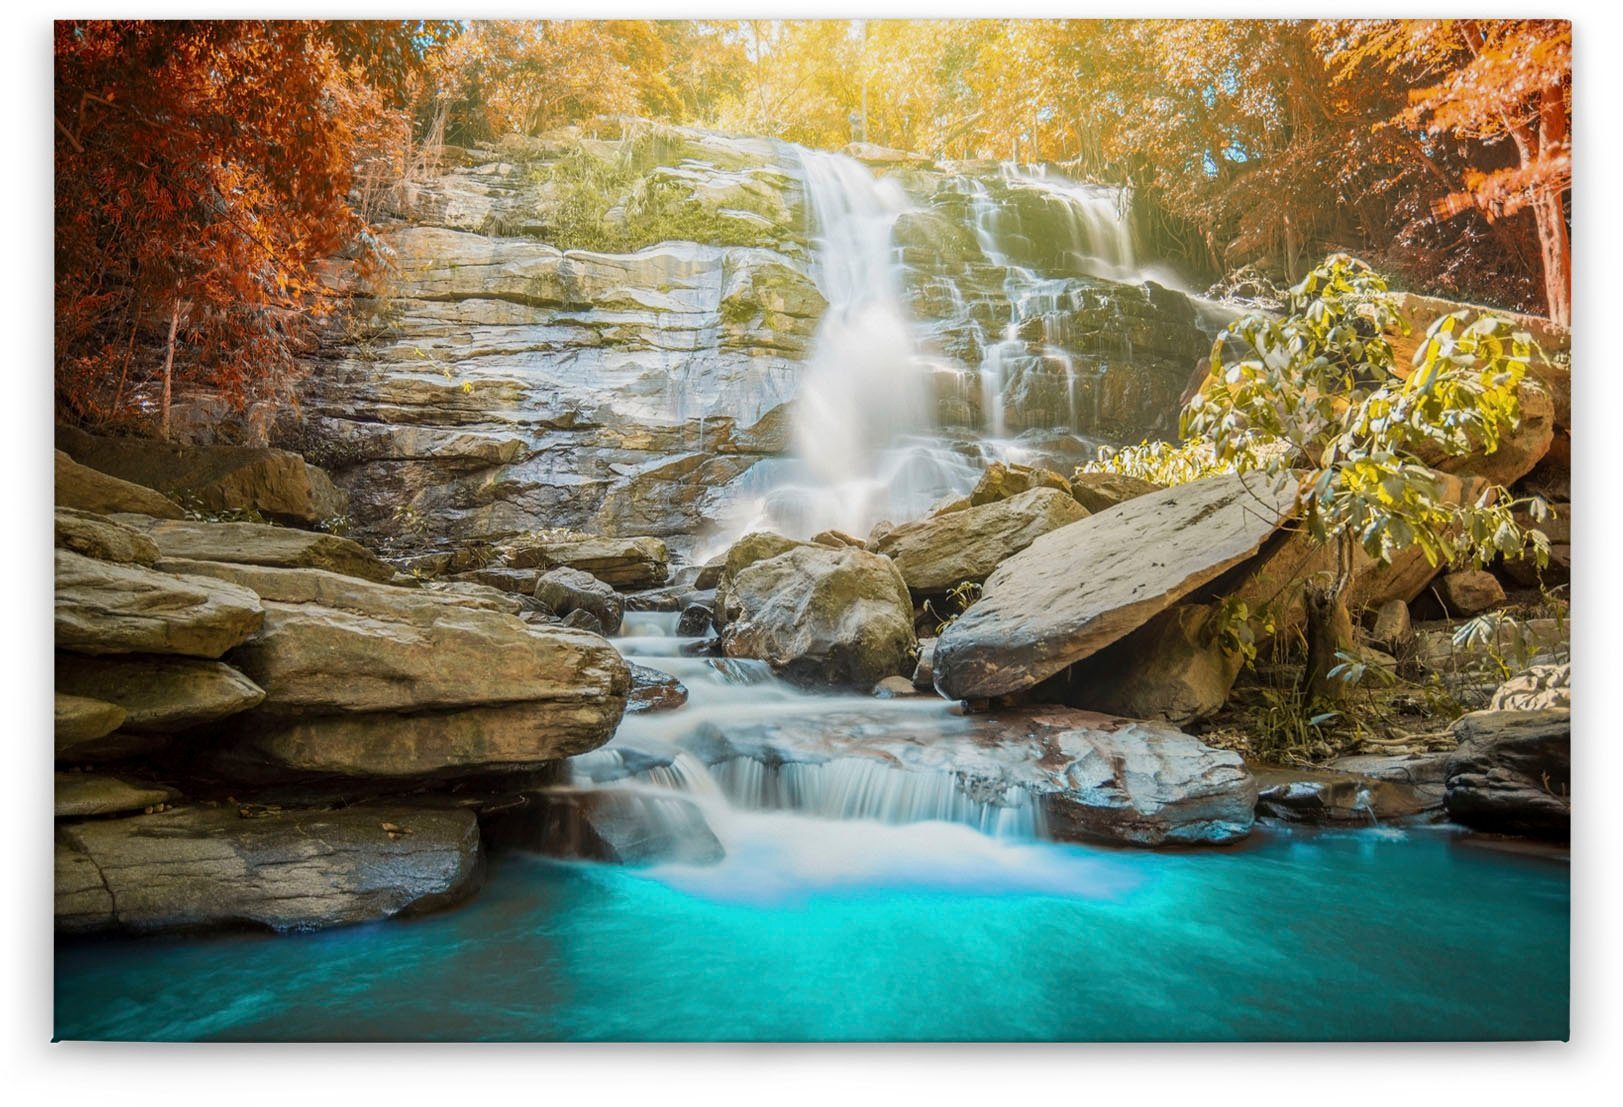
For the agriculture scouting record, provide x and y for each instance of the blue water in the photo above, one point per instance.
(902, 933)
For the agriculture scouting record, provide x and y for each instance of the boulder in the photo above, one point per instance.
(82, 719)
(260, 544)
(1469, 592)
(1359, 791)
(1005, 479)
(566, 591)
(215, 479)
(315, 660)
(893, 687)
(695, 621)
(81, 487)
(1077, 589)
(652, 690)
(160, 695)
(1101, 491)
(1173, 668)
(615, 826)
(197, 867)
(1535, 689)
(710, 573)
(1512, 773)
(822, 616)
(581, 619)
(1391, 627)
(84, 795)
(936, 554)
(502, 579)
(625, 563)
(105, 607)
(93, 535)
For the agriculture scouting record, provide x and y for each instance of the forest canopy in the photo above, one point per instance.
(205, 169)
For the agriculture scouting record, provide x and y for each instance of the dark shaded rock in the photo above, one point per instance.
(270, 482)
(1512, 773)
(199, 867)
(1173, 668)
(1357, 791)
(581, 619)
(82, 795)
(652, 690)
(1077, 589)
(79, 486)
(613, 825)
(695, 621)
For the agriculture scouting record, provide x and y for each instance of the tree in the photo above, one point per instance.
(203, 169)
(1490, 80)
(1315, 397)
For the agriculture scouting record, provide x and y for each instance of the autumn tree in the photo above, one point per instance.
(202, 170)
(1486, 82)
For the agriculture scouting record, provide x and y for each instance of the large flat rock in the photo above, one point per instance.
(1077, 589)
(940, 552)
(79, 486)
(106, 607)
(160, 695)
(199, 867)
(93, 535)
(1512, 772)
(260, 544)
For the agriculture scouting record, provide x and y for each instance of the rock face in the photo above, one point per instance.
(196, 867)
(1056, 773)
(103, 607)
(1357, 791)
(274, 483)
(257, 544)
(81, 487)
(822, 616)
(937, 553)
(1512, 772)
(1078, 589)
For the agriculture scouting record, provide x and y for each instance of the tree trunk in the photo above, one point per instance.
(1555, 245)
(1329, 629)
(169, 367)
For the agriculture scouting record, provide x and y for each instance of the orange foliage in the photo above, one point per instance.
(202, 169)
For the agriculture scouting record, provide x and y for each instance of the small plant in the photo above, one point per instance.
(954, 603)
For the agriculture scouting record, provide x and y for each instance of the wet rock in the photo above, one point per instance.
(97, 536)
(1173, 668)
(710, 573)
(270, 482)
(1535, 689)
(625, 563)
(1101, 491)
(581, 619)
(201, 867)
(83, 795)
(1077, 589)
(1358, 791)
(893, 686)
(1512, 773)
(821, 616)
(1061, 773)
(924, 670)
(258, 544)
(566, 591)
(652, 690)
(613, 825)
(104, 607)
(160, 695)
(79, 486)
(936, 554)
(1469, 592)
(695, 621)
